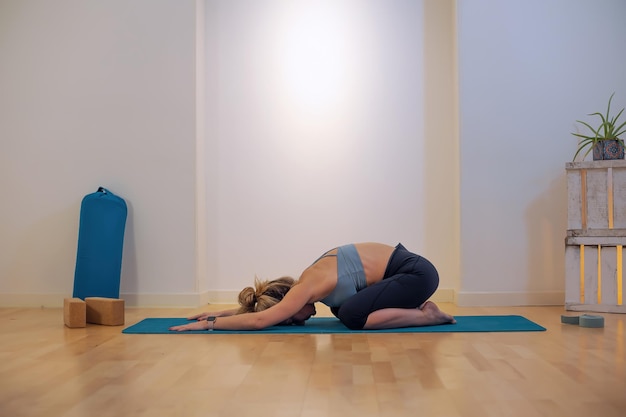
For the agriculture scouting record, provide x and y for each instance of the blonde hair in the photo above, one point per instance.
(264, 295)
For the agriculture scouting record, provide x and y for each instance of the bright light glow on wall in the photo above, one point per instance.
(313, 58)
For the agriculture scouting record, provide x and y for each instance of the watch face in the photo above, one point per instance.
(211, 318)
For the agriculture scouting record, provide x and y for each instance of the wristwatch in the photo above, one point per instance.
(211, 321)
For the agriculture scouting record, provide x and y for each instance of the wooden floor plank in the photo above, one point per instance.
(49, 369)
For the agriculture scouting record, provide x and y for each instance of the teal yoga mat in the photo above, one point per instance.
(328, 325)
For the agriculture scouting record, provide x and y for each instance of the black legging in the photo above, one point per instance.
(409, 281)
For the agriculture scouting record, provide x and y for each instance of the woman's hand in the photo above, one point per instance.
(196, 325)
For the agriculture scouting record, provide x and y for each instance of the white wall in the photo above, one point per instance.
(96, 93)
(527, 71)
(254, 176)
(321, 135)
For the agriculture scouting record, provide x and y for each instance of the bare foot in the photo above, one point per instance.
(437, 316)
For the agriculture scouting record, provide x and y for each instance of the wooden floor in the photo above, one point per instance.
(49, 370)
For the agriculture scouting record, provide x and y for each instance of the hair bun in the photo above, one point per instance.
(265, 295)
(247, 298)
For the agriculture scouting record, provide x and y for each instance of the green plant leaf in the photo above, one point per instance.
(608, 108)
(595, 132)
(607, 130)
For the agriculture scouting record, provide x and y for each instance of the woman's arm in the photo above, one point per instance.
(204, 315)
(297, 297)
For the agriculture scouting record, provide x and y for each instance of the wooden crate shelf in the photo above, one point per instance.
(596, 236)
(594, 274)
(596, 195)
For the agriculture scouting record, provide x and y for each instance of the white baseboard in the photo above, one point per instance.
(32, 300)
(509, 299)
(192, 300)
(130, 300)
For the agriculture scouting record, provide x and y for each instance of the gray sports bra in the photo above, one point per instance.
(350, 275)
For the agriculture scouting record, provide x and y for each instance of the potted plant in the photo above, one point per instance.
(604, 141)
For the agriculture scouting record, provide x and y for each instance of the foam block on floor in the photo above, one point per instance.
(74, 312)
(106, 311)
(587, 320)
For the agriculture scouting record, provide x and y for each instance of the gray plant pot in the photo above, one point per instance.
(608, 149)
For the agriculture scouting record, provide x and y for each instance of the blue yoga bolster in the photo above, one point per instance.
(100, 244)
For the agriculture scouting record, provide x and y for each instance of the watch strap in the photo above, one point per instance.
(211, 320)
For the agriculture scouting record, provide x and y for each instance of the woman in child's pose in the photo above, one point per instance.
(366, 285)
